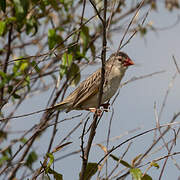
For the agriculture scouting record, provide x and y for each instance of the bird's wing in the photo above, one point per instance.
(88, 88)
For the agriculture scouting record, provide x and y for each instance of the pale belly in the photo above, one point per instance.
(108, 92)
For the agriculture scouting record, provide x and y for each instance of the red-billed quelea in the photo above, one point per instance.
(85, 96)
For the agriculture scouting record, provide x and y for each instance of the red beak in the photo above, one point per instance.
(128, 62)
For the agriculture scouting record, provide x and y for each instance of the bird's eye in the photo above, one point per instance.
(120, 58)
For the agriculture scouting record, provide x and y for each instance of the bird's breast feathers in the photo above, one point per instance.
(112, 83)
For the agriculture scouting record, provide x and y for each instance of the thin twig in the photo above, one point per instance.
(108, 137)
(175, 62)
(166, 95)
(82, 139)
(95, 144)
(137, 11)
(82, 17)
(169, 152)
(121, 158)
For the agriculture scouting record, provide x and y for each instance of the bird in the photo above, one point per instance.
(86, 95)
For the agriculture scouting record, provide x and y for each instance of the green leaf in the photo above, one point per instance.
(66, 63)
(51, 160)
(16, 96)
(85, 38)
(4, 79)
(10, 88)
(2, 84)
(54, 4)
(153, 5)
(31, 26)
(2, 27)
(27, 82)
(3, 75)
(3, 159)
(16, 66)
(136, 173)
(10, 20)
(67, 59)
(53, 38)
(146, 177)
(66, 4)
(35, 66)
(46, 2)
(24, 66)
(3, 5)
(80, 56)
(42, 5)
(142, 30)
(91, 169)
(23, 140)
(124, 163)
(114, 157)
(3, 135)
(93, 51)
(21, 9)
(32, 157)
(6, 155)
(61, 1)
(8, 151)
(75, 50)
(155, 164)
(20, 67)
(56, 175)
(74, 74)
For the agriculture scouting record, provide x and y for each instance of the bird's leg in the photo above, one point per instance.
(99, 111)
(105, 107)
(95, 110)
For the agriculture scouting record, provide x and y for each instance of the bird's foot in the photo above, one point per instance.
(105, 107)
(95, 110)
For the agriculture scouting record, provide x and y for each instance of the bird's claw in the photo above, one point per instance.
(105, 107)
(95, 110)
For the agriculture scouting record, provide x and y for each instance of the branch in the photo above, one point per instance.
(94, 123)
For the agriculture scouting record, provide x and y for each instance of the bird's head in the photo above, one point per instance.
(121, 59)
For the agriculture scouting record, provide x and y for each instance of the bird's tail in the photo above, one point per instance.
(60, 106)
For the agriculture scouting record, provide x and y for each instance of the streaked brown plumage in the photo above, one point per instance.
(85, 97)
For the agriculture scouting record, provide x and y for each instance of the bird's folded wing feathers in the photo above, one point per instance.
(88, 88)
